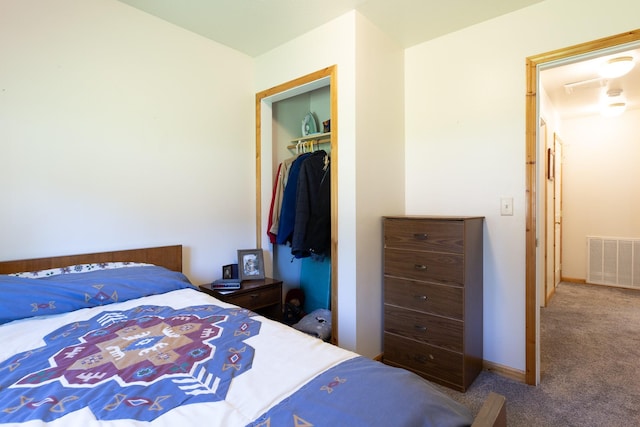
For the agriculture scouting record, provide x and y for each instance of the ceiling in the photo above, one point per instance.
(255, 27)
(575, 88)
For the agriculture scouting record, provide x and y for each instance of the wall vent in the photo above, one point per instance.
(613, 261)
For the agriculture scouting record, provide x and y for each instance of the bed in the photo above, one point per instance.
(123, 338)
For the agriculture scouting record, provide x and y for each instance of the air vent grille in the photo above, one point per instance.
(613, 261)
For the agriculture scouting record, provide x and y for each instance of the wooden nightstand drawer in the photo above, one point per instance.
(255, 299)
(262, 296)
(442, 300)
(430, 362)
(424, 235)
(434, 266)
(422, 327)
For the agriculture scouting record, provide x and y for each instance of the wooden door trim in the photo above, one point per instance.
(331, 73)
(558, 192)
(545, 203)
(531, 123)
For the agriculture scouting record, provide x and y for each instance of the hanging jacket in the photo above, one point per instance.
(312, 228)
(274, 205)
(276, 202)
(288, 209)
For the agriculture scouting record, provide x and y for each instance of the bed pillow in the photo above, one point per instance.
(78, 268)
(22, 297)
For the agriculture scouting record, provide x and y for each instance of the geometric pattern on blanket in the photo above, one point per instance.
(143, 362)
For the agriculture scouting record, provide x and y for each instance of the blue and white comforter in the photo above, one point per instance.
(175, 356)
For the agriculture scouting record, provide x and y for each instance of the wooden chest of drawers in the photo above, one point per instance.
(433, 297)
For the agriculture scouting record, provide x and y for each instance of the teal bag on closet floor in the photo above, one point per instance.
(315, 281)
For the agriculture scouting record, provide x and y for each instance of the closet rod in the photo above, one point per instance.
(315, 139)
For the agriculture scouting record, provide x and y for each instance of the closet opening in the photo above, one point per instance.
(296, 141)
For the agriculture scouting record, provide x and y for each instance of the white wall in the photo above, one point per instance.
(379, 169)
(369, 82)
(600, 184)
(465, 137)
(118, 130)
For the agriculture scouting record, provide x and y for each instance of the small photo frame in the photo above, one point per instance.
(250, 264)
(230, 271)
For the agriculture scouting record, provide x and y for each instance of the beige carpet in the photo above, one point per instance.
(590, 365)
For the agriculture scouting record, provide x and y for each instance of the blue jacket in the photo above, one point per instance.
(288, 209)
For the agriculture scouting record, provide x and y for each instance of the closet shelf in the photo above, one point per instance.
(316, 138)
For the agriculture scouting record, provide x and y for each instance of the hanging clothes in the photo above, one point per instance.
(276, 198)
(272, 217)
(312, 227)
(288, 210)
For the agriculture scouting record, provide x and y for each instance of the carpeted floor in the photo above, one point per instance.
(590, 364)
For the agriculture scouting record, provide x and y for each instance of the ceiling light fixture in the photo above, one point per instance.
(613, 104)
(617, 67)
(615, 109)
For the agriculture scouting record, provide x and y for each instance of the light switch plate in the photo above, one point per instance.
(506, 206)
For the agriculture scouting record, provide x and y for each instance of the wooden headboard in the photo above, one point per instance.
(166, 256)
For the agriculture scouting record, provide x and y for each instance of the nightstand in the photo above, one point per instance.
(261, 296)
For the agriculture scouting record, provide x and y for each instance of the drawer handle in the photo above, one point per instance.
(421, 236)
(421, 358)
(420, 328)
(420, 267)
(254, 296)
(421, 297)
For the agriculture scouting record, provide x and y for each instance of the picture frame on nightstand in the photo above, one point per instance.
(250, 264)
(230, 271)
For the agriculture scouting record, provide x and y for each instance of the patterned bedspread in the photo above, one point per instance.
(138, 363)
(182, 357)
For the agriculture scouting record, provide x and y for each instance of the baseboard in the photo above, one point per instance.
(505, 371)
(550, 294)
(493, 367)
(573, 280)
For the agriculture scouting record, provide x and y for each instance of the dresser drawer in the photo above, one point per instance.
(255, 299)
(422, 296)
(425, 328)
(433, 297)
(432, 362)
(434, 266)
(424, 235)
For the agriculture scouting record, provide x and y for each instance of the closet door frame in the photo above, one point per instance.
(264, 100)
